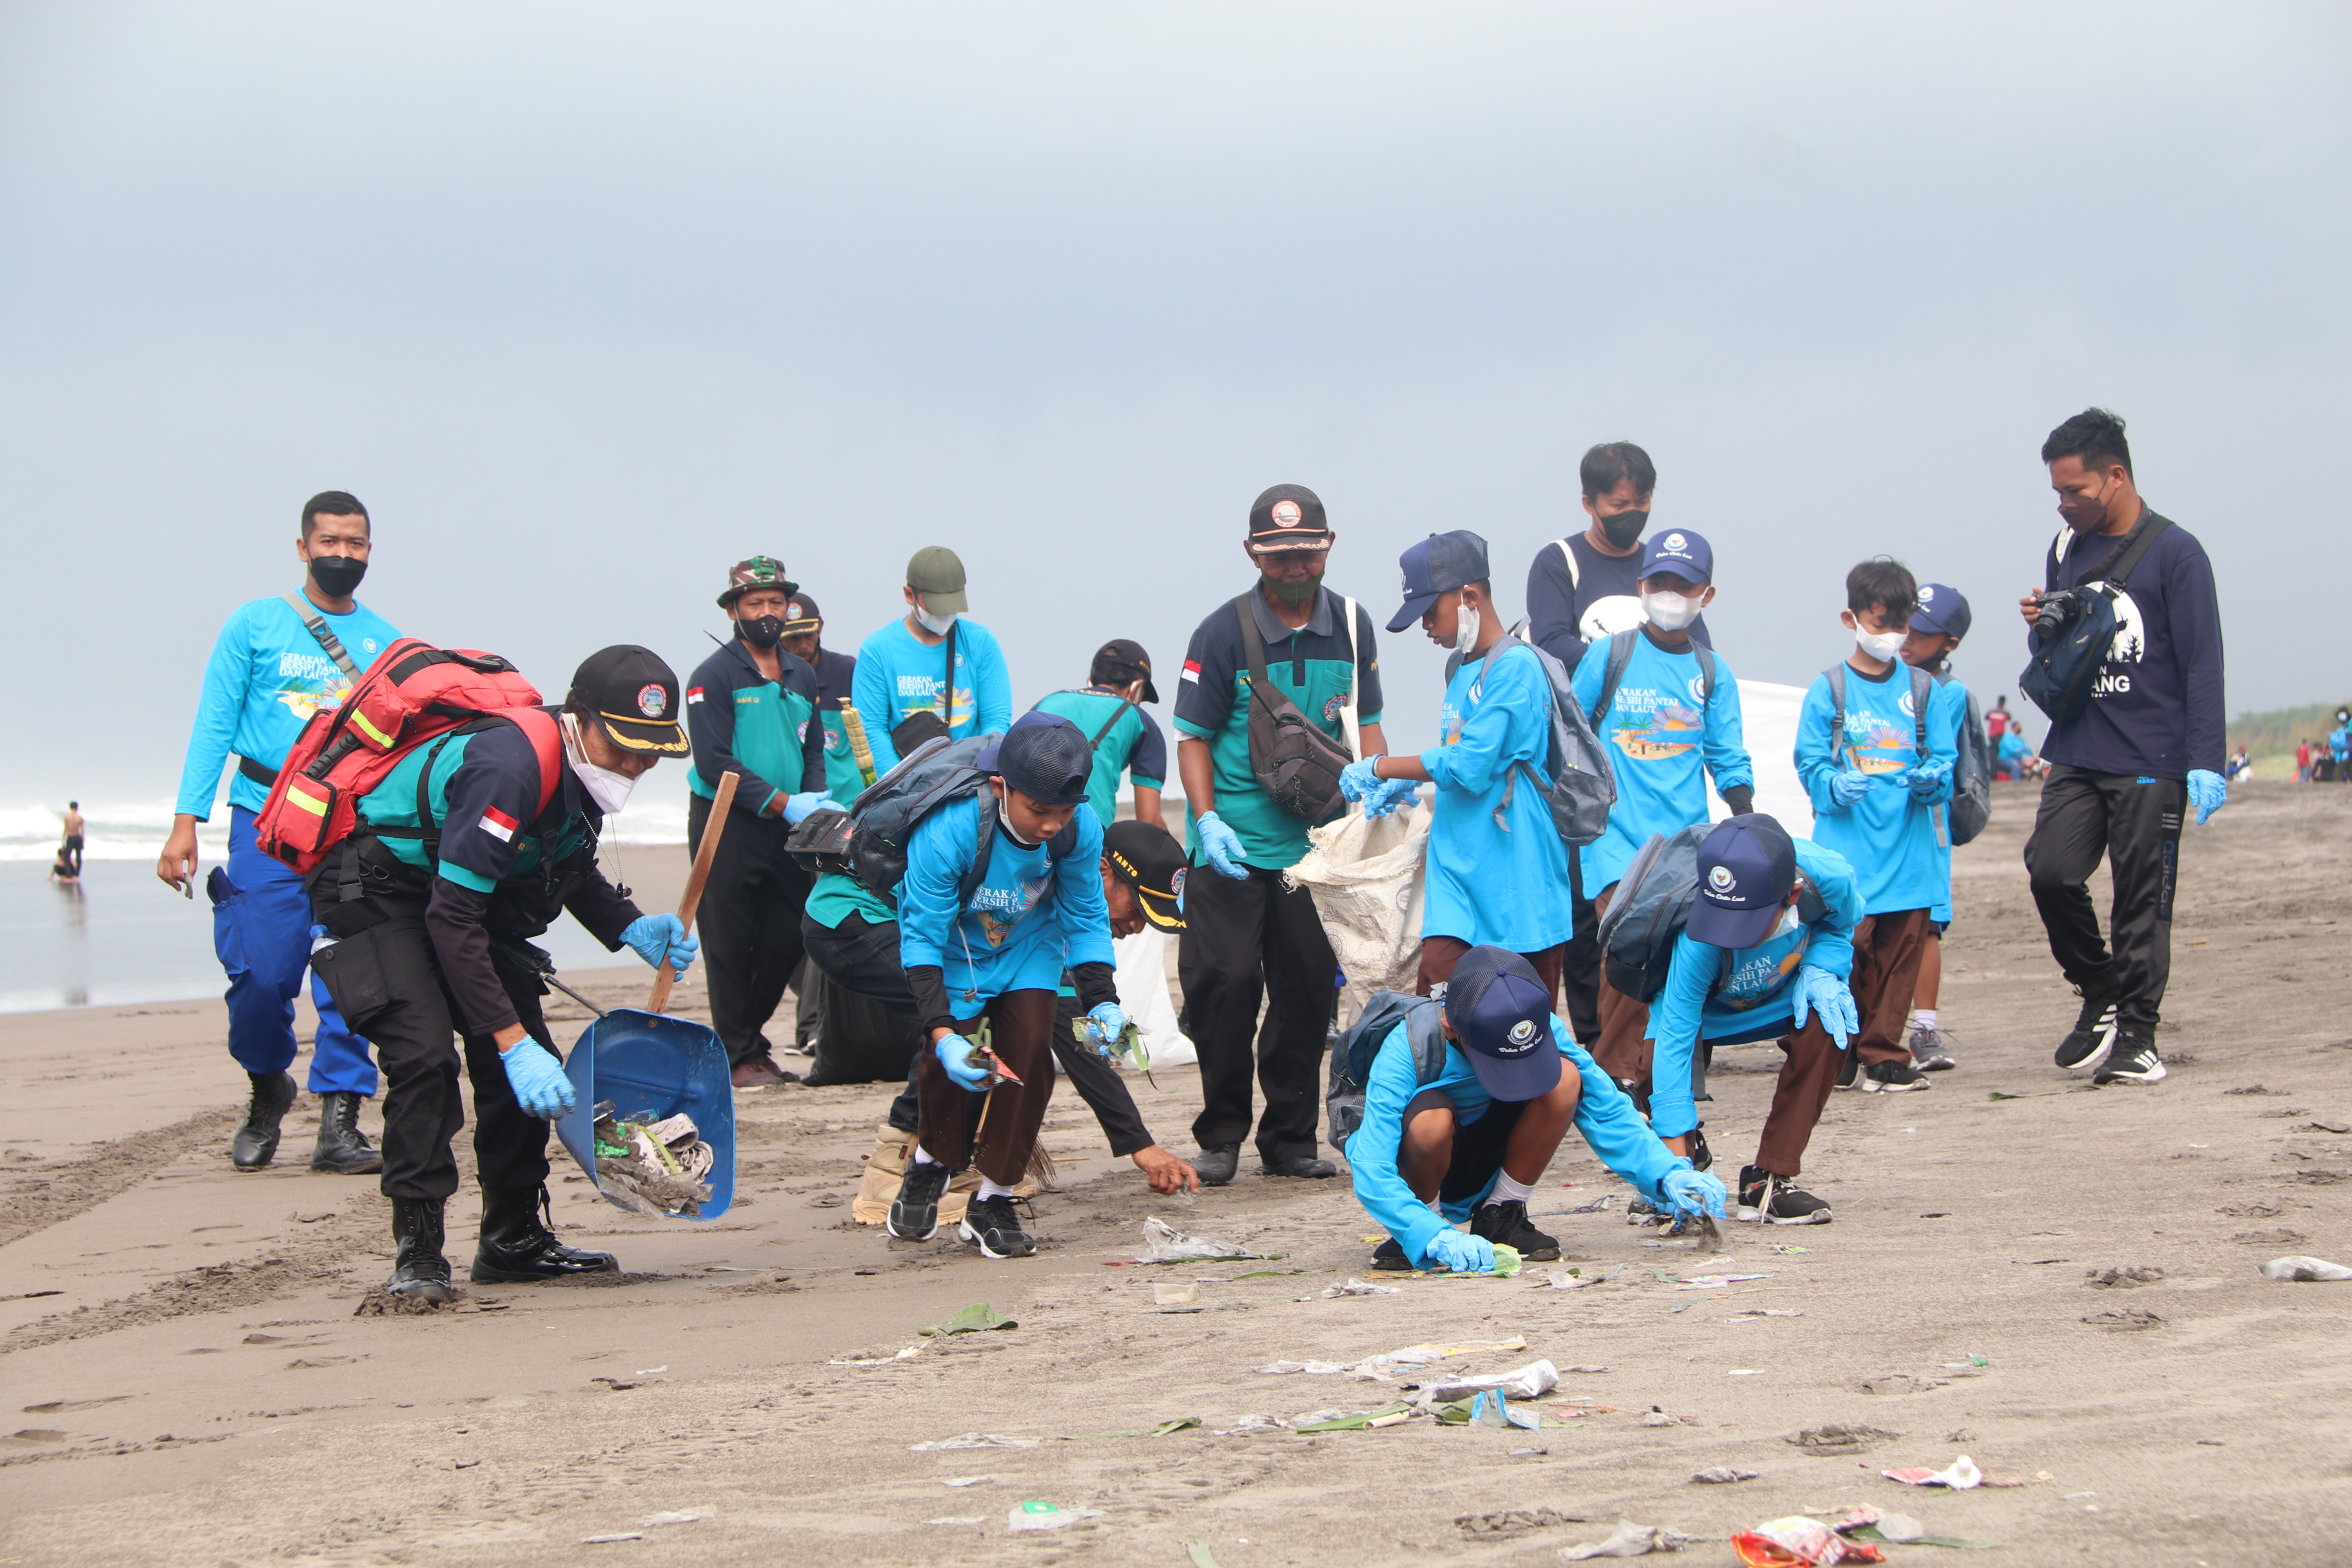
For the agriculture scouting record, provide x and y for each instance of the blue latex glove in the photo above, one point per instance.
(1461, 1252)
(952, 1050)
(799, 806)
(1392, 793)
(1357, 780)
(538, 1079)
(1927, 781)
(2207, 793)
(1106, 1022)
(1818, 991)
(1848, 787)
(653, 936)
(1223, 846)
(1694, 1193)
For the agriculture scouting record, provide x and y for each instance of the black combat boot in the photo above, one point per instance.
(342, 1148)
(256, 1136)
(419, 1271)
(517, 1248)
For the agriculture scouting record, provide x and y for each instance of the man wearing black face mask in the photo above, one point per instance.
(1584, 589)
(276, 662)
(751, 710)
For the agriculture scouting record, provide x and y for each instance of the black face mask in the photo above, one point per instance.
(764, 631)
(337, 575)
(1625, 528)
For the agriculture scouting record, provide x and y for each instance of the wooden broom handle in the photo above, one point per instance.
(665, 976)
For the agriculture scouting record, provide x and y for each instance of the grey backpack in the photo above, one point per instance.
(1352, 1058)
(1972, 816)
(1583, 785)
(1971, 805)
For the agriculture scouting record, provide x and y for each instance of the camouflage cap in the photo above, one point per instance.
(754, 572)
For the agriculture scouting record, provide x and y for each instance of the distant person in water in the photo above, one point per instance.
(71, 854)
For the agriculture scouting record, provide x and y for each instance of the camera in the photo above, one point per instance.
(2054, 612)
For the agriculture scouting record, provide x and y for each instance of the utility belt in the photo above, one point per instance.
(351, 886)
(261, 773)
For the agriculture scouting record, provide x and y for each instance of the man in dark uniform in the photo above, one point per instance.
(805, 641)
(423, 920)
(751, 709)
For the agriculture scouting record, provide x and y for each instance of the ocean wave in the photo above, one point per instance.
(137, 831)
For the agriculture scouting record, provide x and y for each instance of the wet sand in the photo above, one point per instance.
(190, 1384)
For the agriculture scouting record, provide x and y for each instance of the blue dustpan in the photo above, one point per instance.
(659, 1066)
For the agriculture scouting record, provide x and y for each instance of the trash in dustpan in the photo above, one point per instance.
(646, 1071)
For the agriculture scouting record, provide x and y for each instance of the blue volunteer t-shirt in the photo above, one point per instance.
(1030, 919)
(1133, 745)
(1887, 837)
(266, 676)
(1488, 883)
(1942, 907)
(899, 677)
(1664, 740)
(1609, 1125)
(1717, 993)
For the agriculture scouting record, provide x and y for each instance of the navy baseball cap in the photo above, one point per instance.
(1436, 566)
(1941, 610)
(1746, 868)
(1042, 756)
(1681, 552)
(1501, 1016)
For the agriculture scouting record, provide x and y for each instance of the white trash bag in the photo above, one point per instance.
(1142, 980)
(1366, 874)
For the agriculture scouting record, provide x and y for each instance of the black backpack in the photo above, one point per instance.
(1351, 1058)
(868, 843)
(2080, 622)
(1583, 784)
(1653, 904)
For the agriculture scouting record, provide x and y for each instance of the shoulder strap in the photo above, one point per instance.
(946, 697)
(1116, 714)
(1574, 579)
(1706, 671)
(1836, 676)
(2056, 563)
(1923, 690)
(983, 850)
(1620, 654)
(316, 624)
(1253, 644)
(1355, 682)
(2119, 571)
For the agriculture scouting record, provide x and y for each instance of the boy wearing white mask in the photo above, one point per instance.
(1668, 710)
(1876, 742)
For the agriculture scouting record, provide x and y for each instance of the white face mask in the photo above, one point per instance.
(1465, 629)
(1789, 923)
(608, 789)
(1669, 611)
(1879, 645)
(936, 624)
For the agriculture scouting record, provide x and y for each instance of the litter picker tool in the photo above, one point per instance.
(666, 975)
(854, 726)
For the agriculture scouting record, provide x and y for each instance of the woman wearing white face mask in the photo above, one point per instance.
(505, 843)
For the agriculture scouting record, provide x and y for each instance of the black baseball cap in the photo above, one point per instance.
(1120, 662)
(801, 615)
(753, 571)
(634, 697)
(1148, 859)
(1435, 567)
(1501, 1016)
(1746, 868)
(1941, 611)
(1287, 517)
(1042, 756)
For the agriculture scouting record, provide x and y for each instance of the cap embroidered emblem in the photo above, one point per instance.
(651, 700)
(1286, 514)
(794, 609)
(1927, 592)
(1176, 882)
(1721, 880)
(1674, 542)
(1523, 1033)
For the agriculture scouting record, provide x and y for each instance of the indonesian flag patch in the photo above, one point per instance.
(499, 826)
(1192, 670)
(693, 695)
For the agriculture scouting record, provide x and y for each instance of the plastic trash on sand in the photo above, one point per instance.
(1412, 1358)
(1031, 1516)
(647, 1069)
(1361, 1288)
(1961, 1474)
(1628, 1540)
(977, 1318)
(1795, 1540)
(1532, 1381)
(1570, 1280)
(1486, 1407)
(654, 1167)
(1395, 1414)
(1723, 1476)
(972, 1440)
(1169, 1245)
(2305, 1269)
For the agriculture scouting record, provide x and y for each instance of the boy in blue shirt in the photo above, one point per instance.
(1939, 621)
(999, 956)
(1125, 738)
(275, 663)
(931, 672)
(1497, 873)
(1671, 722)
(1472, 1143)
(1765, 955)
(1876, 779)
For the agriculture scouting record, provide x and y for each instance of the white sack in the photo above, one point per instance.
(1367, 877)
(1142, 979)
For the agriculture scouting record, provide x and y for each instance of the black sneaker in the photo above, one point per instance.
(2133, 1060)
(1701, 1156)
(991, 1224)
(1640, 1210)
(1389, 1258)
(1764, 1196)
(1893, 1078)
(1849, 1067)
(915, 1212)
(1931, 1050)
(1631, 1088)
(2086, 1046)
(1505, 1225)
(1217, 1163)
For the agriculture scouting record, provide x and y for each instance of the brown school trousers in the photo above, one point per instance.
(1886, 952)
(1021, 1025)
(1624, 1050)
(1808, 1073)
(1439, 954)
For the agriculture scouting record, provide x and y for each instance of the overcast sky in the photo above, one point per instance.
(587, 301)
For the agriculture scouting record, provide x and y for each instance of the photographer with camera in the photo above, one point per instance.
(2125, 641)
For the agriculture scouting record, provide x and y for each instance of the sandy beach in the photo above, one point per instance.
(190, 1384)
